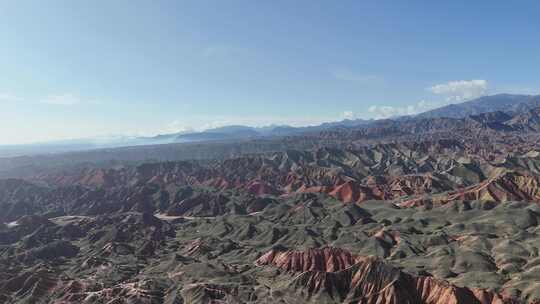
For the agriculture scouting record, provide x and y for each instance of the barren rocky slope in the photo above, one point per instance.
(476, 252)
(428, 211)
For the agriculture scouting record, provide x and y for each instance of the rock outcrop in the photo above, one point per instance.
(347, 278)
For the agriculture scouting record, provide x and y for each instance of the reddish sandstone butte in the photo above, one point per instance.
(326, 259)
(355, 279)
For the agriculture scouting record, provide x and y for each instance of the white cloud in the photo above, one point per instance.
(67, 99)
(348, 114)
(204, 122)
(453, 91)
(349, 75)
(176, 126)
(461, 90)
(380, 112)
(9, 97)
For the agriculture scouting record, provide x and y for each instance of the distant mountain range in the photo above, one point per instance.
(226, 133)
(245, 132)
(396, 192)
(503, 104)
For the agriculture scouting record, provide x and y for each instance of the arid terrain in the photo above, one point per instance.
(269, 152)
(413, 210)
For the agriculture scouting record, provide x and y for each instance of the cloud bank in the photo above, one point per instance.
(380, 112)
(461, 90)
(348, 115)
(8, 97)
(452, 91)
(67, 99)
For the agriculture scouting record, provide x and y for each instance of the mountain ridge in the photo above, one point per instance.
(421, 210)
(508, 104)
(500, 102)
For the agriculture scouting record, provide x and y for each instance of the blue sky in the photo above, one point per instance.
(72, 69)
